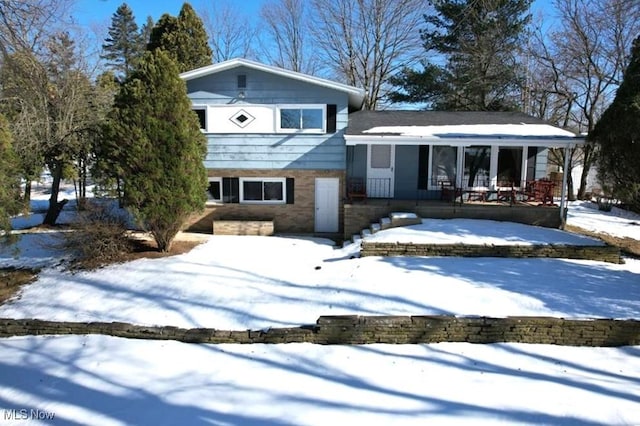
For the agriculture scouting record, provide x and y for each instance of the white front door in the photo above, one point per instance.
(327, 206)
(380, 162)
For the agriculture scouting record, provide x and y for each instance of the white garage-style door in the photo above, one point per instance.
(327, 197)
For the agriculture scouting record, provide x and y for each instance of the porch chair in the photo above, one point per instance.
(356, 189)
(449, 192)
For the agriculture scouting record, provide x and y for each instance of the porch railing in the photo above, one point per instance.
(541, 191)
(379, 188)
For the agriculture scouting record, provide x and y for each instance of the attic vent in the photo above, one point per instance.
(242, 81)
(241, 118)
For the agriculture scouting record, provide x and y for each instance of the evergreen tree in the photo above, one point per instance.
(123, 47)
(145, 34)
(480, 40)
(164, 175)
(9, 181)
(184, 38)
(617, 135)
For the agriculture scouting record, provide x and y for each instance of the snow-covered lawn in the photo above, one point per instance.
(258, 282)
(617, 222)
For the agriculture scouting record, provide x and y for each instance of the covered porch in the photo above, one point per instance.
(468, 161)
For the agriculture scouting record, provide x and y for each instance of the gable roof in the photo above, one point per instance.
(356, 95)
(455, 127)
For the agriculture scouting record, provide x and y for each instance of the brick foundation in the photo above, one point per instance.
(298, 217)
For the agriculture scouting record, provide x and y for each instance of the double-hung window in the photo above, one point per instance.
(214, 190)
(301, 118)
(263, 190)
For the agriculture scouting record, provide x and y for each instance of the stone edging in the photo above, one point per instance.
(603, 253)
(351, 330)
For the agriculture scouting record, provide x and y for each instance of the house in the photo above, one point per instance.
(275, 144)
(298, 150)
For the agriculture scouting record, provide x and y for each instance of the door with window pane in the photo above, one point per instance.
(380, 173)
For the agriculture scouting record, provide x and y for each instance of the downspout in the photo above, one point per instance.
(563, 193)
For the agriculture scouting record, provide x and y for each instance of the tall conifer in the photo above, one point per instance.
(163, 170)
(184, 38)
(617, 134)
(480, 41)
(122, 48)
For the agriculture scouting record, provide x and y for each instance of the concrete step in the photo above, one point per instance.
(375, 227)
(404, 219)
(366, 233)
(385, 223)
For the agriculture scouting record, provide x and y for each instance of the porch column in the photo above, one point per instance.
(493, 166)
(563, 192)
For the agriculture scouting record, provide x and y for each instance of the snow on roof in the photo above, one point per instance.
(473, 130)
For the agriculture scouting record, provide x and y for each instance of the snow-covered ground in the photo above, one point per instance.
(617, 222)
(257, 282)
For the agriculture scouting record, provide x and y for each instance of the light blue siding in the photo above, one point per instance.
(271, 151)
(275, 152)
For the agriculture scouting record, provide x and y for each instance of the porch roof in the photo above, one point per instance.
(455, 128)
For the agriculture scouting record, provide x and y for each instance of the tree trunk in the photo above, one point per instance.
(55, 206)
(588, 155)
(26, 201)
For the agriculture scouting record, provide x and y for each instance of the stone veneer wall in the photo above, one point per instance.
(355, 330)
(359, 216)
(287, 218)
(603, 253)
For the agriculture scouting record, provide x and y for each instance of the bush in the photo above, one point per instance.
(99, 236)
(605, 204)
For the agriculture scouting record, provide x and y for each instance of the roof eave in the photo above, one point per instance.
(546, 141)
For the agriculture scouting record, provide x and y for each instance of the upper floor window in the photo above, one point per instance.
(301, 118)
(202, 116)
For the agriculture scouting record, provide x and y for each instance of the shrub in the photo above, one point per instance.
(605, 204)
(99, 236)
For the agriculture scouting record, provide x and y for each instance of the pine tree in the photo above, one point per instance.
(617, 135)
(9, 181)
(184, 38)
(480, 40)
(163, 168)
(122, 48)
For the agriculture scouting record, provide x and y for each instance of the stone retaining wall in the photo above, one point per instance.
(604, 253)
(350, 330)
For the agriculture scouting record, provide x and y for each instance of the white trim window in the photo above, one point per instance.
(201, 111)
(214, 190)
(309, 118)
(263, 190)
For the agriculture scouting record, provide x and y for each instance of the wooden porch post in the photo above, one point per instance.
(563, 192)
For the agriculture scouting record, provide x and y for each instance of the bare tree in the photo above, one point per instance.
(46, 90)
(25, 25)
(231, 34)
(367, 41)
(288, 40)
(578, 65)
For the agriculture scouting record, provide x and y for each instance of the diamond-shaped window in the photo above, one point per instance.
(242, 118)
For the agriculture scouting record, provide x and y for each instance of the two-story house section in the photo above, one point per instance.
(275, 144)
